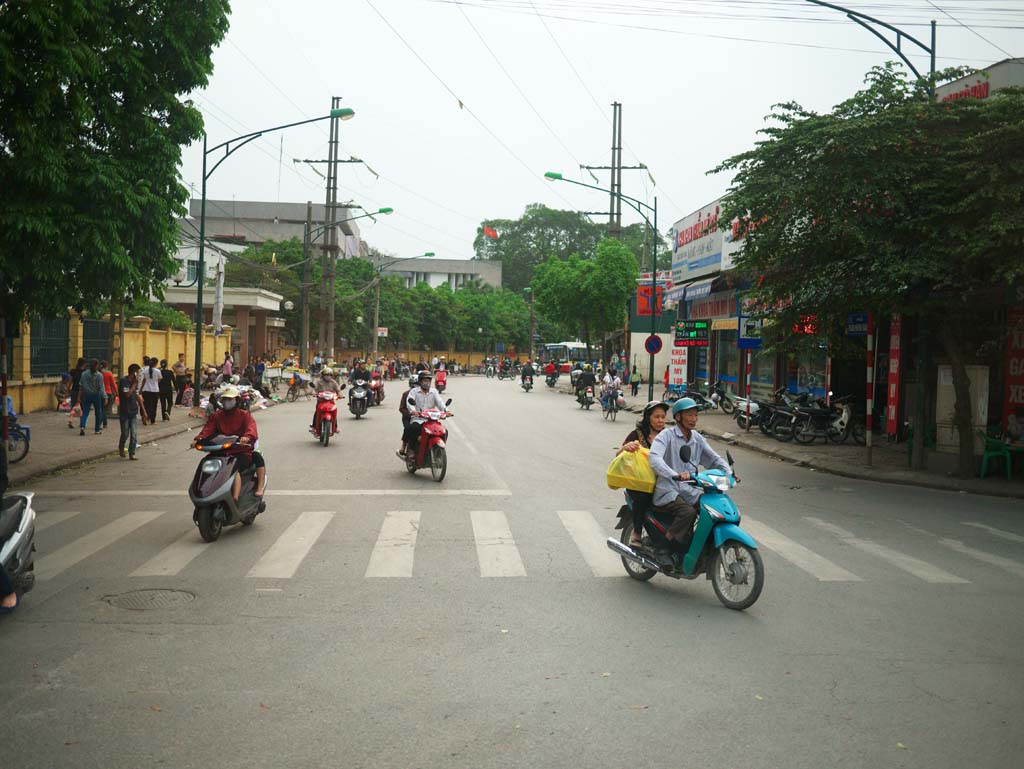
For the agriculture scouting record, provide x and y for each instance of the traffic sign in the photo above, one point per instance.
(653, 344)
(750, 333)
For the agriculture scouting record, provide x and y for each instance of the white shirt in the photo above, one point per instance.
(611, 382)
(150, 384)
(422, 401)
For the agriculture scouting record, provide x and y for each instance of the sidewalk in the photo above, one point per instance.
(889, 461)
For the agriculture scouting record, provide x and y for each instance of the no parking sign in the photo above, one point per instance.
(653, 344)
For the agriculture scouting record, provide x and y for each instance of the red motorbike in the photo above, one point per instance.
(441, 380)
(429, 449)
(376, 389)
(325, 420)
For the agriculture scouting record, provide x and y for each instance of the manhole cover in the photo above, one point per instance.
(142, 600)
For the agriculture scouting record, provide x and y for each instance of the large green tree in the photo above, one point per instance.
(93, 116)
(893, 201)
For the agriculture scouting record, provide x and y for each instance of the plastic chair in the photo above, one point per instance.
(994, 449)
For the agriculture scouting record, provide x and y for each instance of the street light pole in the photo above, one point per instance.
(376, 303)
(529, 291)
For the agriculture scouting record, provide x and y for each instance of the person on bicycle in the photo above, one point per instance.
(610, 385)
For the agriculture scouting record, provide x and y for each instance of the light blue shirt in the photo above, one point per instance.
(667, 465)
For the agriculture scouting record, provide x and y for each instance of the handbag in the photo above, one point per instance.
(631, 470)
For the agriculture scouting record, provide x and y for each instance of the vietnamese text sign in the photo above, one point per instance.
(892, 395)
(677, 367)
(750, 333)
(643, 301)
(720, 304)
(857, 324)
(697, 244)
(1014, 396)
(692, 333)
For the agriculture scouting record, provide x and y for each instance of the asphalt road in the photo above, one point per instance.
(375, 619)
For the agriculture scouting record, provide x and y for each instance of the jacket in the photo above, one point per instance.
(238, 422)
(666, 463)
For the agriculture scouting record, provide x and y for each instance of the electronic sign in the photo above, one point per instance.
(692, 333)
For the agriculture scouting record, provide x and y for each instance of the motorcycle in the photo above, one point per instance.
(358, 398)
(586, 398)
(325, 421)
(376, 389)
(504, 373)
(831, 423)
(429, 448)
(719, 547)
(210, 490)
(778, 418)
(490, 371)
(612, 404)
(720, 396)
(527, 383)
(551, 380)
(741, 413)
(17, 540)
(441, 380)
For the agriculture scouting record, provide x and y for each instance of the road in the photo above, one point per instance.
(375, 619)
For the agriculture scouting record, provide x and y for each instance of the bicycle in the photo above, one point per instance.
(18, 439)
(298, 388)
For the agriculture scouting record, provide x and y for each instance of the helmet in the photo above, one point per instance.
(413, 381)
(423, 375)
(652, 406)
(229, 392)
(683, 404)
(587, 367)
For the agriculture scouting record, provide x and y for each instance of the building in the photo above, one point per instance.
(435, 272)
(985, 82)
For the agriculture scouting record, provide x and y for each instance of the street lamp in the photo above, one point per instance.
(229, 147)
(639, 206)
(376, 303)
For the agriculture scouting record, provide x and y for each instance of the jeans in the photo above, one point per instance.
(6, 586)
(635, 386)
(92, 401)
(129, 433)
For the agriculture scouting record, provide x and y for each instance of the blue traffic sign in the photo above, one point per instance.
(653, 344)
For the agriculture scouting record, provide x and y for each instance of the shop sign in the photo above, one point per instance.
(892, 394)
(677, 367)
(1014, 395)
(692, 333)
(720, 304)
(643, 301)
(750, 333)
(382, 330)
(664, 278)
(857, 324)
(697, 244)
(808, 324)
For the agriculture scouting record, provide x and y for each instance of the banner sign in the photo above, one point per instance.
(892, 395)
(697, 244)
(692, 333)
(1014, 395)
(382, 330)
(643, 301)
(677, 367)
(857, 324)
(720, 304)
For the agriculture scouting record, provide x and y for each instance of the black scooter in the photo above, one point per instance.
(210, 490)
(17, 535)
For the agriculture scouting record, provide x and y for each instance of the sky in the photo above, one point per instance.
(462, 106)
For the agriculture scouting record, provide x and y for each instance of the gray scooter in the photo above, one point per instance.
(210, 490)
(17, 535)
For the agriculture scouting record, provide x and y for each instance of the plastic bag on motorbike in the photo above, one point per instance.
(631, 470)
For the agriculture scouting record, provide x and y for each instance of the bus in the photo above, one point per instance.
(566, 352)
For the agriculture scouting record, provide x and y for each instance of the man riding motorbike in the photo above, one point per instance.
(231, 420)
(419, 399)
(359, 371)
(326, 383)
(527, 371)
(672, 494)
(584, 380)
(550, 369)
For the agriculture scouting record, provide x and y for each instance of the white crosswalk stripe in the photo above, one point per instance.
(920, 569)
(51, 565)
(395, 550)
(590, 537)
(818, 567)
(284, 557)
(1007, 535)
(43, 522)
(1008, 564)
(495, 547)
(173, 558)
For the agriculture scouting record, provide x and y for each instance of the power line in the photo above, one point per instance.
(969, 29)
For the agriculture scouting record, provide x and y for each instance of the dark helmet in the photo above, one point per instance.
(423, 375)
(654, 405)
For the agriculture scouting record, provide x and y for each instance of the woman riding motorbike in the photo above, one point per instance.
(651, 422)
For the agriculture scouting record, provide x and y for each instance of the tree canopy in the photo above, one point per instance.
(92, 122)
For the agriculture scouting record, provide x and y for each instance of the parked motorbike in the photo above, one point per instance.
(358, 398)
(831, 423)
(210, 490)
(441, 380)
(703, 401)
(17, 540)
(429, 449)
(586, 398)
(720, 396)
(779, 420)
(719, 547)
(376, 389)
(527, 383)
(325, 420)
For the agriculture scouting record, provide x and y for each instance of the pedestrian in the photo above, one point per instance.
(666, 379)
(180, 370)
(62, 391)
(110, 390)
(227, 368)
(189, 393)
(634, 380)
(166, 391)
(149, 377)
(128, 413)
(91, 396)
(76, 375)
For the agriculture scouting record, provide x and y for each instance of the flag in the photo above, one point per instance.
(490, 233)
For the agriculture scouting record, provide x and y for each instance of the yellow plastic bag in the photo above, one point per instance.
(631, 470)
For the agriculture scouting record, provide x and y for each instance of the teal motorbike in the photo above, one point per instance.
(719, 549)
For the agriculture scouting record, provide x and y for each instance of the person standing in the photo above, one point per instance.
(76, 375)
(180, 370)
(110, 390)
(128, 413)
(91, 394)
(149, 378)
(634, 380)
(166, 391)
(228, 367)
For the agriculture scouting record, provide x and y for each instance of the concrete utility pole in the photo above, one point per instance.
(616, 168)
(307, 275)
(332, 233)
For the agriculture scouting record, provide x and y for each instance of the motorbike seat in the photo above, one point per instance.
(10, 516)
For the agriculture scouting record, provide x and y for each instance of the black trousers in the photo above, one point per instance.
(149, 400)
(179, 384)
(166, 402)
(684, 516)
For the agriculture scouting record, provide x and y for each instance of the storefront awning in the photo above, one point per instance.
(725, 324)
(699, 289)
(675, 294)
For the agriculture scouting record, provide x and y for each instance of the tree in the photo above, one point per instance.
(892, 201)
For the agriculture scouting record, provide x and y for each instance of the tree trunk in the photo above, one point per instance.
(586, 340)
(962, 409)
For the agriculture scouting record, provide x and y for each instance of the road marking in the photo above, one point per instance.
(52, 519)
(283, 558)
(798, 555)
(410, 492)
(454, 426)
(393, 554)
(909, 564)
(1008, 564)
(51, 565)
(591, 540)
(173, 558)
(1009, 536)
(495, 548)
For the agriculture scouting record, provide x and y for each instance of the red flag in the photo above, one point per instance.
(490, 233)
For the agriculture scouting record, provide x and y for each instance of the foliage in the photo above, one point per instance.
(891, 201)
(92, 123)
(161, 315)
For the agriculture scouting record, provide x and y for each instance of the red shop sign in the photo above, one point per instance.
(1013, 399)
(892, 393)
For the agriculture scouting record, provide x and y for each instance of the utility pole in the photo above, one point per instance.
(307, 275)
(332, 233)
(376, 312)
(616, 168)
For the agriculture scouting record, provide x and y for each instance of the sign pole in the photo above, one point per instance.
(870, 384)
(750, 354)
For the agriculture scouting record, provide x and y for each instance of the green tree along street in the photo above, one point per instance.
(892, 202)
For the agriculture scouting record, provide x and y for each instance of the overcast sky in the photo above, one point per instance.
(695, 77)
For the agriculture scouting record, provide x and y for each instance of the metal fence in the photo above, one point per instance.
(49, 346)
(96, 339)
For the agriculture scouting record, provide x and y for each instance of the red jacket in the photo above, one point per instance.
(238, 422)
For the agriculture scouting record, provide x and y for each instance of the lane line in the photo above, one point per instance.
(410, 492)
(487, 466)
(1015, 568)
(818, 567)
(395, 550)
(495, 547)
(590, 538)
(173, 558)
(1009, 536)
(52, 519)
(918, 568)
(283, 558)
(51, 565)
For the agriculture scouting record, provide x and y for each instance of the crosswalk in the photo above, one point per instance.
(278, 549)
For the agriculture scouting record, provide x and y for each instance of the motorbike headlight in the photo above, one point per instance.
(722, 482)
(211, 465)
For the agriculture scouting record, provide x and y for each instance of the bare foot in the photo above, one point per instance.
(9, 601)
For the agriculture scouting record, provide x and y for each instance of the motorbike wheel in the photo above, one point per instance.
(803, 433)
(410, 460)
(782, 429)
(249, 520)
(615, 413)
(728, 406)
(17, 446)
(837, 436)
(325, 432)
(635, 570)
(209, 527)
(737, 575)
(741, 420)
(860, 433)
(438, 463)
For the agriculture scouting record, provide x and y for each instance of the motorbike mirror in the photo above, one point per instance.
(448, 402)
(728, 456)
(684, 453)
(829, 393)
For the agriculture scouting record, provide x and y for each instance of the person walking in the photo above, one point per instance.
(63, 389)
(634, 381)
(166, 391)
(180, 369)
(76, 375)
(149, 377)
(110, 390)
(128, 413)
(91, 395)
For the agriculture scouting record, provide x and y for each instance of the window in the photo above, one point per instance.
(192, 270)
(48, 346)
(96, 339)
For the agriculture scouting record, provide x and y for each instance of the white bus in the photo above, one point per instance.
(566, 352)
